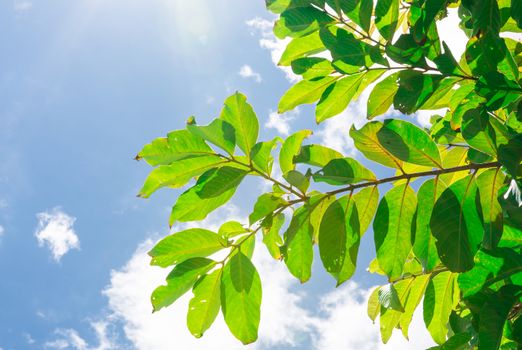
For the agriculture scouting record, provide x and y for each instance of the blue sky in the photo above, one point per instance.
(84, 85)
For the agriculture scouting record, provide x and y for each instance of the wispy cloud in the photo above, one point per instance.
(263, 27)
(71, 339)
(55, 230)
(281, 122)
(22, 6)
(248, 73)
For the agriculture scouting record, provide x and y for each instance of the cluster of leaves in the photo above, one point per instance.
(453, 242)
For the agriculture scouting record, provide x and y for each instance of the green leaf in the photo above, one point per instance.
(204, 306)
(389, 298)
(261, 155)
(415, 88)
(241, 298)
(279, 6)
(373, 304)
(442, 296)
(290, 148)
(489, 183)
(456, 225)
(392, 229)
(220, 181)
(409, 143)
(480, 133)
(343, 171)
(516, 12)
(317, 155)
(490, 267)
(231, 229)
(183, 245)
(456, 342)
(339, 237)
(305, 91)
(180, 280)
(241, 116)
(320, 205)
(178, 173)
(300, 21)
(510, 155)
(298, 248)
(386, 17)
(415, 296)
(382, 95)
(390, 318)
(271, 238)
(178, 145)
(336, 98)
(298, 180)
(359, 11)
(453, 157)
(312, 67)
(266, 204)
(424, 245)
(301, 47)
(366, 201)
(493, 316)
(190, 206)
(367, 141)
(218, 132)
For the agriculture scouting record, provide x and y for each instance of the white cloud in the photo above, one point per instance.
(347, 326)
(2, 231)
(28, 338)
(22, 6)
(281, 122)
(55, 230)
(248, 73)
(71, 339)
(451, 34)
(269, 42)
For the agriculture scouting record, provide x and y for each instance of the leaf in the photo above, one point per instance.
(389, 298)
(312, 67)
(183, 245)
(318, 211)
(220, 181)
(442, 296)
(414, 298)
(489, 183)
(301, 47)
(382, 95)
(266, 204)
(366, 201)
(179, 281)
(456, 342)
(178, 145)
(390, 317)
(456, 225)
(271, 237)
(510, 155)
(298, 180)
(204, 306)
(493, 316)
(231, 229)
(366, 141)
(317, 155)
(298, 248)
(339, 237)
(190, 206)
(415, 88)
(392, 229)
(409, 143)
(218, 132)
(490, 267)
(386, 17)
(300, 21)
(305, 91)
(373, 304)
(478, 131)
(241, 297)
(261, 155)
(178, 173)
(359, 11)
(424, 245)
(290, 148)
(337, 96)
(343, 171)
(241, 116)
(451, 158)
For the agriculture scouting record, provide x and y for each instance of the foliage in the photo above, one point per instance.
(453, 242)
